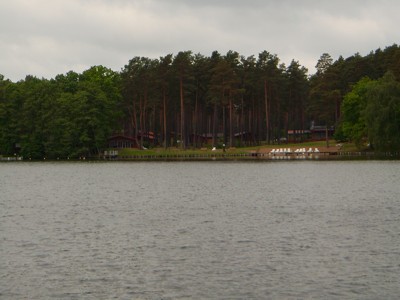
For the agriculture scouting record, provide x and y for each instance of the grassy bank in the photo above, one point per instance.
(234, 151)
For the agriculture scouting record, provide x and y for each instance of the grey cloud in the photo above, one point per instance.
(45, 38)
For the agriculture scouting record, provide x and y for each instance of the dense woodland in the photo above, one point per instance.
(180, 99)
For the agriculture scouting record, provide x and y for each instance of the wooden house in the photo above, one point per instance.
(320, 132)
(295, 136)
(198, 139)
(148, 136)
(244, 137)
(121, 141)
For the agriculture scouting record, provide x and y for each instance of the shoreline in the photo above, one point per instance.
(226, 156)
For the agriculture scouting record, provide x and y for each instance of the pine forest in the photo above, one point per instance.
(189, 100)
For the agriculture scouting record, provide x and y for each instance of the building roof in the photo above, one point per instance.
(121, 137)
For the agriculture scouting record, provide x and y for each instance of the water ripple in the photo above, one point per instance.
(200, 230)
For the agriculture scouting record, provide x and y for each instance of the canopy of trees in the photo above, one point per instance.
(69, 116)
(188, 96)
(371, 113)
(183, 98)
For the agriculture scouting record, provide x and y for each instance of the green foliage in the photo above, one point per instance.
(187, 97)
(70, 116)
(353, 123)
(324, 63)
(382, 113)
(325, 92)
(334, 80)
(371, 113)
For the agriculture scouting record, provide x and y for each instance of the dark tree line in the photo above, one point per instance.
(181, 99)
(371, 113)
(185, 97)
(371, 120)
(69, 116)
(334, 79)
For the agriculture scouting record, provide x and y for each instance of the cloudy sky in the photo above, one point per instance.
(49, 37)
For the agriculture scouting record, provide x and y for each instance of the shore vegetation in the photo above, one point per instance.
(188, 102)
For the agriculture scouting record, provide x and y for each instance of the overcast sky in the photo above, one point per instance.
(49, 37)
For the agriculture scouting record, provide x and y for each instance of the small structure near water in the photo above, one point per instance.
(121, 141)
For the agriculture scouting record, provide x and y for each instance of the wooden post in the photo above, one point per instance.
(327, 137)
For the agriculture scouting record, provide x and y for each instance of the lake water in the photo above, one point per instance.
(200, 230)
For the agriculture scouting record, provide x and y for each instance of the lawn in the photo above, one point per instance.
(158, 151)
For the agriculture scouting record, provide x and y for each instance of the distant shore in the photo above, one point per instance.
(302, 151)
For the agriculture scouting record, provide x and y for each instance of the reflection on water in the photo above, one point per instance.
(209, 230)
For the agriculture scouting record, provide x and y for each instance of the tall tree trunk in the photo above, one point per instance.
(141, 117)
(165, 119)
(242, 122)
(230, 122)
(214, 128)
(182, 114)
(337, 113)
(195, 119)
(278, 120)
(286, 125)
(155, 126)
(135, 120)
(224, 124)
(250, 127)
(266, 111)
(260, 123)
